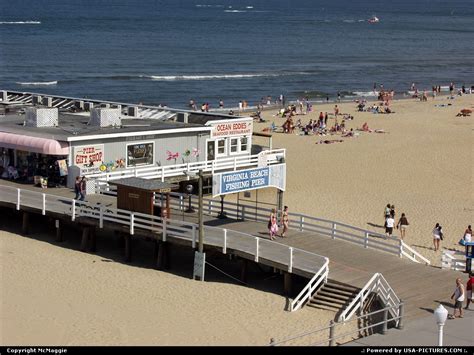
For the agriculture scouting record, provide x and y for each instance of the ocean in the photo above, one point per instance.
(170, 51)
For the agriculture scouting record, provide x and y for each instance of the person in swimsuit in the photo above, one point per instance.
(285, 221)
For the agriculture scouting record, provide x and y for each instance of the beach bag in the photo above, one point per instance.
(441, 235)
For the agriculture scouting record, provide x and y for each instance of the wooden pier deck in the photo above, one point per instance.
(421, 287)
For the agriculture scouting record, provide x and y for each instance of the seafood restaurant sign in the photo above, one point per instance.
(250, 179)
(228, 129)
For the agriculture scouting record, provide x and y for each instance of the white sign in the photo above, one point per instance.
(231, 128)
(249, 179)
(199, 265)
(89, 158)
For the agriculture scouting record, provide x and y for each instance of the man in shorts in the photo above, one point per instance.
(458, 297)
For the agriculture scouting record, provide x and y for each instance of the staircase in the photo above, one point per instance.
(333, 296)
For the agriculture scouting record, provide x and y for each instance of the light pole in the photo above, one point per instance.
(440, 315)
(201, 229)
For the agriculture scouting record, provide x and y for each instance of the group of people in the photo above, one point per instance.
(402, 224)
(273, 223)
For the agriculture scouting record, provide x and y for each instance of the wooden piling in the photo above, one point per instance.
(59, 231)
(287, 283)
(243, 271)
(85, 238)
(25, 225)
(160, 262)
(128, 247)
(93, 240)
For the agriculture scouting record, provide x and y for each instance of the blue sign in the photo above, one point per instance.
(244, 180)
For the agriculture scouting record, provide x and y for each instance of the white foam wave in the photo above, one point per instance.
(348, 21)
(215, 76)
(235, 11)
(35, 83)
(366, 93)
(204, 5)
(249, 7)
(20, 22)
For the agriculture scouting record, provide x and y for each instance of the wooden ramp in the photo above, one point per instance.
(421, 287)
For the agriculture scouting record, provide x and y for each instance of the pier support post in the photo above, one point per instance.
(85, 239)
(243, 271)
(59, 231)
(128, 248)
(120, 239)
(162, 258)
(25, 225)
(287, 283)
(93, 240)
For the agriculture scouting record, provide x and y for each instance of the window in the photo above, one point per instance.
(244, 144)
(234, 145)
(221, 148)
(140, 154)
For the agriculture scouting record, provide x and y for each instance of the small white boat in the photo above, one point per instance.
(373, 19)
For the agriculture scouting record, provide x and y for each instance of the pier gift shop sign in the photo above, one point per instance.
(89, 158)
(249, 179)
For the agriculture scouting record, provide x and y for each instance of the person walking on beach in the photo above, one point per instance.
(458, 297)
(389, 223)
(469, 284)
(285, 221)
(437, 236)
(402, 225)
(77, 187)
(336, 110)
(272, 225)
(392, 211)
(386, 213)
(221, 103)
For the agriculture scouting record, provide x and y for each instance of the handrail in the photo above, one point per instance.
(450, 261)
(331, 337)
(288, 255)
(160, 172)
(303, 222)
(307, 292)
(378, 284)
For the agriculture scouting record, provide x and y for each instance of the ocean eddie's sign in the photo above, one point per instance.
(89, 158)
(231, 129)
(250, 179)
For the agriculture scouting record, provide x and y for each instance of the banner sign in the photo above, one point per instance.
(249, 179)
(229, 129)
(62, 167)
(89, 158)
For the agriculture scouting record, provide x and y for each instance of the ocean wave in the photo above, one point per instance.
(217, 76)
(366, 93)
(204, 5)
(235, 11)
(20, 22)
(36, 83)
(249, 7)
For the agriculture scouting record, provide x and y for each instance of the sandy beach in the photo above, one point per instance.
(56, 295)
(422, 165)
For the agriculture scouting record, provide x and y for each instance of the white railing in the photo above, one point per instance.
(161, 172)
(320, 278)
(304, 223)
(412, 254)
(453, 260)
(258, 248)
(381, 287)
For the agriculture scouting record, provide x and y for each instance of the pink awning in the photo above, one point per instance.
(33, 144)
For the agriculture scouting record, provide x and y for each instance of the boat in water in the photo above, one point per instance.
(373, 19)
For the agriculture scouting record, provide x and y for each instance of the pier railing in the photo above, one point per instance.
(319, 279)
(304, 223)
(257, 248)
(272, 157)
(453, 260)
(377, 284)
(327, 335)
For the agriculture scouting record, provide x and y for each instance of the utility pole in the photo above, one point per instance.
(201, 228)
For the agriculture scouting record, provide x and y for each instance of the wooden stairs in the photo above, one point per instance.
(333, 296)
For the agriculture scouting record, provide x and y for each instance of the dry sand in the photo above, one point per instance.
(59, 296)
(423, 165)
(56, 295)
